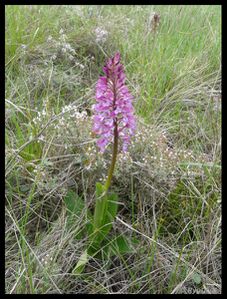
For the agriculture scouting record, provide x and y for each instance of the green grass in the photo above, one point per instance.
(169, 187)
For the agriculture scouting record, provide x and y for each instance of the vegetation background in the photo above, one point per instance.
(169, 183)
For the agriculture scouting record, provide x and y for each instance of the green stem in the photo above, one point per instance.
(101, 205)
(114, 158)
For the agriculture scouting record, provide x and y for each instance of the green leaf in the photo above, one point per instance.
(103, 224)
(197, 278)
(135, 241)
(83, 259)
(112, 205)
(111, 212)
(118, 246)
(100, 206)
(89, 227)
(105, 212)
(99, 190)
(74, 204)
(25, 188)
(122, 245)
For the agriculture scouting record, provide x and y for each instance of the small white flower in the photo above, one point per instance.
(61, 31)
(50, 38)
(63, 37)
(101, 34)
(88, 167)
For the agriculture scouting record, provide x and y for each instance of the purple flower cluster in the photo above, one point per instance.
(113, 111)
